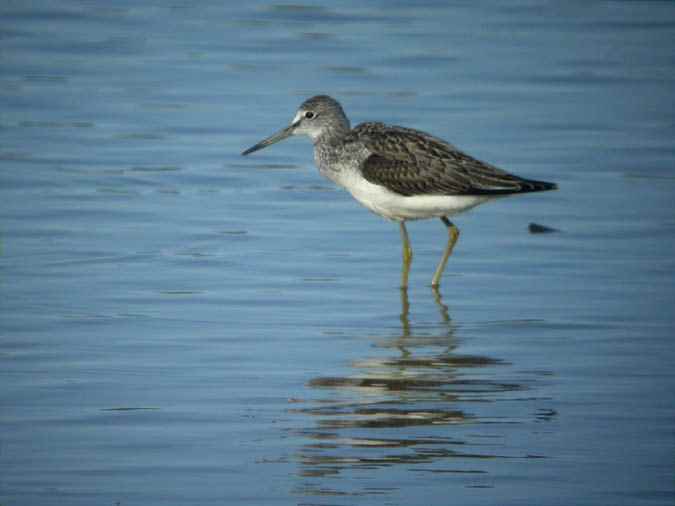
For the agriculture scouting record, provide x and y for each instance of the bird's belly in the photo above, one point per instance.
(397, 207)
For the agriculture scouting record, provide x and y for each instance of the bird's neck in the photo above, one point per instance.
(329, 150)
(331, 135)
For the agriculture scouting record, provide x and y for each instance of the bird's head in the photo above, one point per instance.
(317, 117)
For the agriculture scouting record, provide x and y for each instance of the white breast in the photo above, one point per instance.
(398, 207)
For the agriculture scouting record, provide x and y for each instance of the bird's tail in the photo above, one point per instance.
(531, 185)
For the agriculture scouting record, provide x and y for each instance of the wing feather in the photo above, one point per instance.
(411, 162)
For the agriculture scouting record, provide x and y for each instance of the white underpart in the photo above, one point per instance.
(397, 207)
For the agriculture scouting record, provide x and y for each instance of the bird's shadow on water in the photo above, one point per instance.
(409, 405)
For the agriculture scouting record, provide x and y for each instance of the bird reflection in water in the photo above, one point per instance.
(397, 409)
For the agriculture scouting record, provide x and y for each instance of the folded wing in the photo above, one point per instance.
(410, 162)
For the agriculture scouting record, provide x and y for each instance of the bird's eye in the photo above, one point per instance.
(309, 115)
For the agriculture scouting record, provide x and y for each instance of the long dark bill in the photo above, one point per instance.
(279, 136)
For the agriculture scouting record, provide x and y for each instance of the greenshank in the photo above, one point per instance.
(399, 173)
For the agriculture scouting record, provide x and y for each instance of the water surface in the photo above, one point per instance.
(180, 325)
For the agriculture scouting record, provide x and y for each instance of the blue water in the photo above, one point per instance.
(181, 325)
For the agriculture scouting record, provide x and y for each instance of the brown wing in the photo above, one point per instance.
(411, 162)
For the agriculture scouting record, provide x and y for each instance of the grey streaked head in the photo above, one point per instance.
(318, 117)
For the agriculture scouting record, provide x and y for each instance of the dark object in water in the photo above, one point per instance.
(536, 228)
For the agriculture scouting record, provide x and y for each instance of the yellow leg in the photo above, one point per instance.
(439, 302)
(453, 233)
(407, 255)
(405, 312)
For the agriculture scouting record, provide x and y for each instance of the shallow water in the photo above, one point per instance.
(180, 325)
